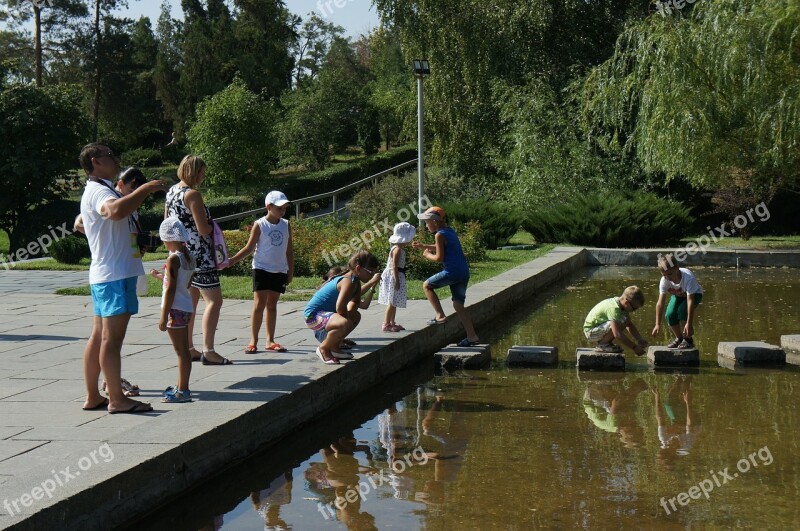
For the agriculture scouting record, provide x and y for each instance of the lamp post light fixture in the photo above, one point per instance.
(421, 69)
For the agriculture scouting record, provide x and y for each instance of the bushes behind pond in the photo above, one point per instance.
(619, 220)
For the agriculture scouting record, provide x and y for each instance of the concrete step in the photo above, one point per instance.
(530, 355)
(791, 342)
(756, 352)
(590, 359)
(455, 357)
(658, 355)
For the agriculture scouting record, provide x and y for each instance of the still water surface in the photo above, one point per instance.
(520, 448)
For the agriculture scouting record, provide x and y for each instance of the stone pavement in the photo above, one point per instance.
(60, 465)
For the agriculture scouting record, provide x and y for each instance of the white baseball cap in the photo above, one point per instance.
(276, 198)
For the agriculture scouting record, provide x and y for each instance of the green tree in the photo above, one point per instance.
(711, 93)
(234, 134)
(305, 131)
(311, 47)
(508, 40)
(41, 134)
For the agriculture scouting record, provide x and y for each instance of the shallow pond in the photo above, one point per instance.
(517, 448)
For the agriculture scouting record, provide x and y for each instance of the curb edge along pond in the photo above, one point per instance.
(154, 482)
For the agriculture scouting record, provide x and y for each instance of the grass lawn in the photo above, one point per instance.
(756, 243)
(302, 288)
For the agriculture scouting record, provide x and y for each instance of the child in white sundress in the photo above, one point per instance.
(393, 279)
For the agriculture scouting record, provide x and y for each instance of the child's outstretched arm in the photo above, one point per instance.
(659, 313)
(247, 250)
(155, 273)
(640, 341)
(173, 264)
(435, 252)
(688, 329)
(622, 337)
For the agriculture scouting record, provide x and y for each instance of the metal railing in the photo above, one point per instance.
(333, 195)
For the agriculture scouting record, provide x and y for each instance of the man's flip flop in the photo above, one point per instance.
(138, 407)
(467, 343)
(102, 405)
(225, 361)
(276, 347)
(251, 349)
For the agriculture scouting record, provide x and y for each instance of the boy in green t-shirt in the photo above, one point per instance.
(609, 319)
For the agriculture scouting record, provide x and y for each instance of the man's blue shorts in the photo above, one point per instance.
(458, 285)
(115, 298)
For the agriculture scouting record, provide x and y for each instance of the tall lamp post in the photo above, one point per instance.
(421, 69)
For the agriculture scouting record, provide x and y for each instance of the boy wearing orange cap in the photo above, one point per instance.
(447, 250)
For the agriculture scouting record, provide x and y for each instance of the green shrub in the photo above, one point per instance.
(141, 157)
(227, 206)
(236, 240)
(70, 250)
(498, 222)
(616, 220)
(47, 219)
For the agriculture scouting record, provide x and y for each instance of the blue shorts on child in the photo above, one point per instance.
(457, 283)
(115, 298)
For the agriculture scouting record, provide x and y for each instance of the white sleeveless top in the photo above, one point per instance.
(270, 254)
(183, 299)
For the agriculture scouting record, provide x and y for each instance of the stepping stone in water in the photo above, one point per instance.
(589, 358)
(791, 342)
(751, 352)
(659, 355)
(526, 355)
(453, 357)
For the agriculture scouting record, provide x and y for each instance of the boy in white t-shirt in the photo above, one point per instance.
(687, 293)
(116, 263)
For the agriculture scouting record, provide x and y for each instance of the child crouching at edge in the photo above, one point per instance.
(609, 319)
(332, 313)
(176, 304)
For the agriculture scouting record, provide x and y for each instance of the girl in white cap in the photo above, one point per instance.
(270, 244)
(393, 279)
(176, 304)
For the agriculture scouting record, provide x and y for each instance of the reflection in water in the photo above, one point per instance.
(611, 408)
(678, 422)
(268, 502)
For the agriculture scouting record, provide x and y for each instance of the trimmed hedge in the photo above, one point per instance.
(70, 250)
(330, 179)
(151, 218)
(142, 157)
(498, 222)
(618, 220)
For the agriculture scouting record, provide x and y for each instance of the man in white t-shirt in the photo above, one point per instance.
(116, 263)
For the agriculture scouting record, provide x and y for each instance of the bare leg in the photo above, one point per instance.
(213, 300)
(195, 293)
(389, 316)
(466, 320)
(180, 341)
(259, 305)
(338, 327)
(678, 329)
(113, 335)
(91, 364)
(430, 294)
(272, 315)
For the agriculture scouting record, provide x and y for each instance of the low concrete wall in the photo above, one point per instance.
(721, 258)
